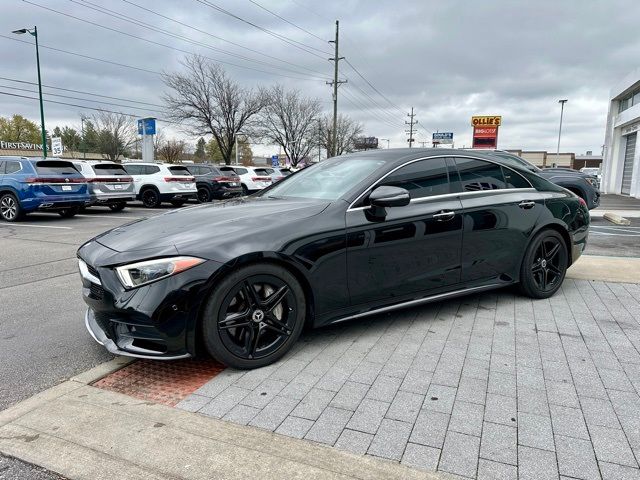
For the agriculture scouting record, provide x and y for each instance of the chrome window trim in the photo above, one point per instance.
(351, 208)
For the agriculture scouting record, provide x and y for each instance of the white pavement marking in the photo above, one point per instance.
(109, 216)
(34, 226)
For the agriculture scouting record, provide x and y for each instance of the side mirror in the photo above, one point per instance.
(387, 196)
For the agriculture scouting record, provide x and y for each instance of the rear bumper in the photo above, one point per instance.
(109, 198)
(54, 202)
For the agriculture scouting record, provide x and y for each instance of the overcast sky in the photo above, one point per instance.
(448, 59)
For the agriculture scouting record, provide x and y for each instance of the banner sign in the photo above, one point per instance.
(485, 130)
(486, 121)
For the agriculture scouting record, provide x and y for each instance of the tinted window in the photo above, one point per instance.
(53, 167)
(135, 169)
(2, 165)
(240, 171)
(422, 179)
(12, 167)
(262, 171)
(478, 175)
(514, 180)
(151, 169)
(179, 170)
(109, 169)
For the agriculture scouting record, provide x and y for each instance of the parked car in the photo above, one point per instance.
(29, 185)
(252, 179)
(161, 182)
(585, 186)
(279, 173)
(349, 237)
(214, 184)
(109, 184)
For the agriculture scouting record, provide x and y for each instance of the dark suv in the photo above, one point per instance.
(583, 185)
(214, 184)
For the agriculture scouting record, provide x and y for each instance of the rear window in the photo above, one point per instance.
(53, 167)
(237, 171)
(109, 169)
(262, 171)
(179, 171)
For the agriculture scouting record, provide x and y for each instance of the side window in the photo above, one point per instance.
(423, 178)
(134, 169)
(514, 180)
(476, 175)
(2, 165)
(151, 169)
(240, 171)
(12, 167)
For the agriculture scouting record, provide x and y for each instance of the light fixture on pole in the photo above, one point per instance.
(561, 102)
(34, 31)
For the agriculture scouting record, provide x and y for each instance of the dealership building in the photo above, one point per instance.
(621, 165)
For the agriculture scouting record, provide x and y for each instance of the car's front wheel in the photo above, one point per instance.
(545, 265)
(204, 195)
(254, 316)
(10, 209)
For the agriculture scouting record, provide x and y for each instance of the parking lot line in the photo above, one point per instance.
(109, 216)
(34, 226)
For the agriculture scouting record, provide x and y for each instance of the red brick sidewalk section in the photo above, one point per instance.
(159, 381)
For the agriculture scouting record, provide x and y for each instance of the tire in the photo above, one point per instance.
(117, 207)
(262, 332)
(245, 190)
(150, 197)
(10, 209)
(204, 195)
(544, 265)
(69, 212)
(177, 203)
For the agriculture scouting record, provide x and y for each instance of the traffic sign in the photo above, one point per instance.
(56, 146)
(275, 161)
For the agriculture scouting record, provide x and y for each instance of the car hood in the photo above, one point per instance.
(208, 223)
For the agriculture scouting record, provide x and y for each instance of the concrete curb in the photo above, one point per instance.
(617, 219)
(83, 432)
(607, 269)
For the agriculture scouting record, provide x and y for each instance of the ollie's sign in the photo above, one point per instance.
(485, 130)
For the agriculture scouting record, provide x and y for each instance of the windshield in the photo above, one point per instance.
(328, 180)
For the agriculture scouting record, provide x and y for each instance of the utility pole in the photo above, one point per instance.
(319, 138)
(411, 124)
(335, 83)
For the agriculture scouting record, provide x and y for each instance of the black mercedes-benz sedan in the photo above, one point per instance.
(348, 237)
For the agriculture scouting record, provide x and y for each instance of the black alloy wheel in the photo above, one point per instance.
(204, 195)
(245, 190)
(150, 198)
(10, 208)
(116, 207)
(69, 212)
(545, 265)
(254, 316)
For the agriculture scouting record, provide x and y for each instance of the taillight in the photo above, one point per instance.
(582, 202)
(179, 179)
(56, 180)
(223, 179)
(261, 179)
(110, 180)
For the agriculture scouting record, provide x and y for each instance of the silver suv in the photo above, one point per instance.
(108, 183)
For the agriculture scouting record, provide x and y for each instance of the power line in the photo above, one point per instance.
(83, 56)
(290, 41)
(156, 43)
(373, 87)
(217, 37)
(83, 93)
(288, 21)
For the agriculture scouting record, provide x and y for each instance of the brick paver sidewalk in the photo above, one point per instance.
(490, 386)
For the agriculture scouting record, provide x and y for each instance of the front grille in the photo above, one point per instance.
(96, 291)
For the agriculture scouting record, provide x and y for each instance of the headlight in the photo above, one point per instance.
(142, 273)
(592, 181)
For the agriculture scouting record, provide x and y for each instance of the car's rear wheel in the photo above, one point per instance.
(254, 316)
(150, 198)
(545, 265)
(69, 212)
(245, 190)
(10, 209)
(204, 195)
(117, 207)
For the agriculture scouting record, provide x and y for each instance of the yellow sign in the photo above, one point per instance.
(486, 121)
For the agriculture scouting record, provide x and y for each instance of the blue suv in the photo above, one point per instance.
(29, 185)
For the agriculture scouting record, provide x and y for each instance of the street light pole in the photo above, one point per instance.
(561, 102)
(34, 32)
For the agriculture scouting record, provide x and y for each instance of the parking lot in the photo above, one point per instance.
(488, 386)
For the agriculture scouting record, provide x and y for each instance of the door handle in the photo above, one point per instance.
(444, 216)
(527, 204)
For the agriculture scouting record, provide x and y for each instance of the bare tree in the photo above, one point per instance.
(290, 120)
(209, 102)
(158, 142)
(116, 134)
(348, 131)
(171, 151)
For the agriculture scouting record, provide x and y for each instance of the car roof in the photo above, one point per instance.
(402, 155)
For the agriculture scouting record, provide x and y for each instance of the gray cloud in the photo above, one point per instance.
(449, 60)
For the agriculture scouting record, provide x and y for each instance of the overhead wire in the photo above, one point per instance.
(288, 21)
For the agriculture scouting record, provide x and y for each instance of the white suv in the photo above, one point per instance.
(252, 179)
(161, 182)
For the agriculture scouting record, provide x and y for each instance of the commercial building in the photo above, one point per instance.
(621, 166)
(541, 158)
